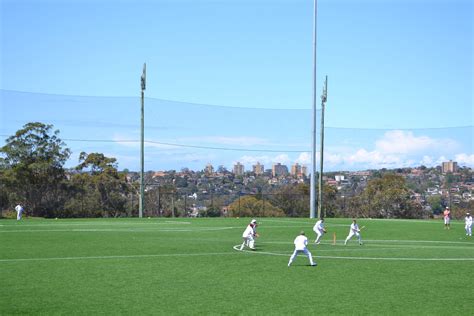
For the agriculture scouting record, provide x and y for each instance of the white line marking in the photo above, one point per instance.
(414, 241)
(397, 259)
(237, 247)
(111, 223)
(413, 221)
(119, 257)
(124, 230)
(373, 242)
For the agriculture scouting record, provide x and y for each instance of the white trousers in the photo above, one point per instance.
(468, 230)
(319, 235)
(18, 215)
(305, 251)
(249, 241)
(351, 234)
(447, 220)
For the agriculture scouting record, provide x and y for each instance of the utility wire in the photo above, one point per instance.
(176, 145)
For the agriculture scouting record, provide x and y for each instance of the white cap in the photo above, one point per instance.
(253, 221)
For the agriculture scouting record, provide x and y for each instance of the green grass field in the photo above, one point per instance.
(189, 266)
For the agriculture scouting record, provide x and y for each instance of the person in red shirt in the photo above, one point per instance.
(447, 218)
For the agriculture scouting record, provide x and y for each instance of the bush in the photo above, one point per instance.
(8, 214)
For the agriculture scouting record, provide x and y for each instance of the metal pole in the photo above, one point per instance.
(321, 152)
(142, 145)
(313, 197)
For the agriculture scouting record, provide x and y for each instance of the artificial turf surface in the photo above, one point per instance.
(190, 266)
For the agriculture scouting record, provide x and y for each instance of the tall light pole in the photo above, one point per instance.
(324, 98)
(142, 145)
(313, 197)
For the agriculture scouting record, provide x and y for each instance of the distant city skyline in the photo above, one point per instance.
(445, 166)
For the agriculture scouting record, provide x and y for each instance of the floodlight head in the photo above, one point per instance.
(324, 96)
(143, 78)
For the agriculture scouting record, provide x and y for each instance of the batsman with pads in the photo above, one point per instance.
(249, 235)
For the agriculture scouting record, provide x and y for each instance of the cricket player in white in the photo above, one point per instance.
(19, 211)
(300, 246)
(319, 230)
(468, 227)
(354, 230)
(249, 235)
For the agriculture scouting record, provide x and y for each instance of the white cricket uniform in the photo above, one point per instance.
(354, 230)
(248, 236)
(319, 230)
(300, 246)
(19, 211)
(468, 226)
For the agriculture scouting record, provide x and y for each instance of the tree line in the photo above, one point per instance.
(32, 173)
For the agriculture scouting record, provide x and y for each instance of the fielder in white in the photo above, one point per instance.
(468, 226)
(19, 211)
(249, 235)
(354, 230)
(319, 230)
(300, 246)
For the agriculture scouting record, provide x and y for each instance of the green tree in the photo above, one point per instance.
(329, 206)
(292, 199)
(435, 202)
(387, 197)
(32, 168)
(249, 206)
(103, 190)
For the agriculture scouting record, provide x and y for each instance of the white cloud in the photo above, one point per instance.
(332, 160)
(282, 158)
(405, 142)
(395, 149)
(373, 158)
(304, 159)
(465, 159)
(427, 161)
(249, 161)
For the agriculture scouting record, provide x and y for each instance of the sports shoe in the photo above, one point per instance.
(314, 264)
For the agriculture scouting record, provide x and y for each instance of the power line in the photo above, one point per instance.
(176, 145)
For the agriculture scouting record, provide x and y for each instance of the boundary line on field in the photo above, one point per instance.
(119, 257)
(387, 241)
(237, 247)
(123, 230)
(364, 219)
(54, 223)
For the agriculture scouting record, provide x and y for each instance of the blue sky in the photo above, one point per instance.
(400, 73)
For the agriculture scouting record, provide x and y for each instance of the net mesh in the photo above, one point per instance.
(186, 135)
